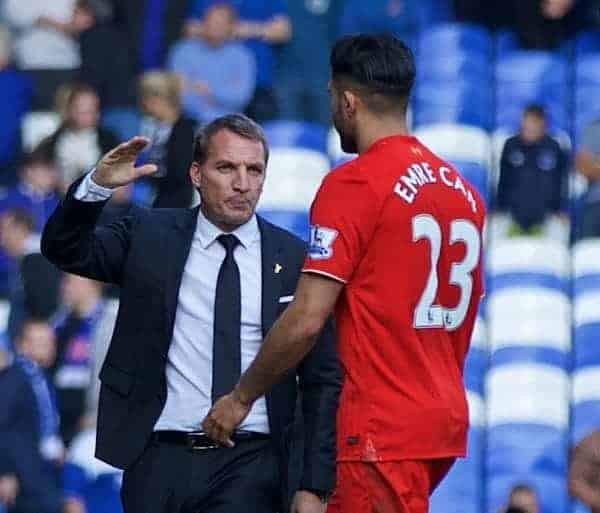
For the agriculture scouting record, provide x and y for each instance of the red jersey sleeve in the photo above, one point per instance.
(343, 217)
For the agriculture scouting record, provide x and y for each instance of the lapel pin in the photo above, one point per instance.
(277, 268)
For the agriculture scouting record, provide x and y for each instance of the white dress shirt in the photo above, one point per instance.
(189, 361)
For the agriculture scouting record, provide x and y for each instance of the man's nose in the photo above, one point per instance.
(242, 183)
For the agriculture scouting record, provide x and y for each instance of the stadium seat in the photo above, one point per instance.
(37, 126)
(527, 261)
(476, 175)
(455, 142)
(461, 66)
(528, 76)
(295, 221)
(123, 122)
(4, 313)
(586, 266)
(527, 438)
(506, 42)
(462, 490)
(586, 332)
(293, 178)
(454, 38)
(477, 361)
(514, 336)
(296, 134)
(587, 43)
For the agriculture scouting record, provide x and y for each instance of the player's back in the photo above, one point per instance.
(409, 227)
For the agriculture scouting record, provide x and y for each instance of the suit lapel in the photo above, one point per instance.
(178, 242)
(271, 279)
(271, 254)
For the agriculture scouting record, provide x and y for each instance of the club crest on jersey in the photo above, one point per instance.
(321, 242)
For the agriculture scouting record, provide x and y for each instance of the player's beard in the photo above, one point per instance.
(346, 133)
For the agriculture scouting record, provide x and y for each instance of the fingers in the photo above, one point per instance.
(216, 431)
(147, 169)
(130, 149)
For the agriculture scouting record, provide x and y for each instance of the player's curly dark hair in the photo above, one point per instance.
(379, 66)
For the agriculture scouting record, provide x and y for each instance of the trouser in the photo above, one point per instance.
(171, 478)
(402, 486)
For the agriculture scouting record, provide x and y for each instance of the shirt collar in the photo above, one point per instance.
(207, 233)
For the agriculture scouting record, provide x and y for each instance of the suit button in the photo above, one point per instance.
(353, 440)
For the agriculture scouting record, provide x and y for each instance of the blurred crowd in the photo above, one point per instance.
(69, 67)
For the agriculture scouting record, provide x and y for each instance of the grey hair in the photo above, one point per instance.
(236, 123)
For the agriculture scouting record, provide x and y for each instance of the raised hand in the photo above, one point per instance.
(117, 167)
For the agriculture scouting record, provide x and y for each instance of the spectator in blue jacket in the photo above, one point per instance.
(263, 25)
(304, 66)
(533, 176)
(16, 92)
(218, 75)
(29, 482)
(398, 17)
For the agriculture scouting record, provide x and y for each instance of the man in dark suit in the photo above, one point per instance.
(199, 289)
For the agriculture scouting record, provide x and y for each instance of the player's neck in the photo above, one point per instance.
(379, 129)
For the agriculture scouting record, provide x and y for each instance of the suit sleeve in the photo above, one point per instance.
(343, 219)
(320, 384)
(72, 241)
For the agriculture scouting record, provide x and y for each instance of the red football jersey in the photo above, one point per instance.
(403, 231)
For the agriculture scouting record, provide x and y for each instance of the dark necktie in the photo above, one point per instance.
(227, 357)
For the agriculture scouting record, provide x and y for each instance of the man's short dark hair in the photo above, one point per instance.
(236, 123)
(20, 217)
(535, 109)
(380, 66)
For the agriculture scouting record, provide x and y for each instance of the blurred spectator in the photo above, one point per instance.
(544, 24)
(36, 191)
(105, 66)
(398, 17)
(27, 480)
(588, 164)
(45, 45)
(523, 499)
(584, 471)
(36, 347)
(533, 176)
(79, 142)
(89, 485)
(74, 324)
(172, 139)
(16, 91)
(151, 27)
(262, 25)
(218, 75)
(304, 66)
(34, 288)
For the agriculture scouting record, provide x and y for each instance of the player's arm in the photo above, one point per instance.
(292, 336)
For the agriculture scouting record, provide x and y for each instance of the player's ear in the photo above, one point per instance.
(349, 102)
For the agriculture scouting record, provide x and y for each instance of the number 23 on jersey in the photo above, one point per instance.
(430, 315)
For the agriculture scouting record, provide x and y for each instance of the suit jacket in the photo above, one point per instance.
(145, 254)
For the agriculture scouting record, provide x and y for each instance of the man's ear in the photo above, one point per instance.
(349, 103)
(195, 174)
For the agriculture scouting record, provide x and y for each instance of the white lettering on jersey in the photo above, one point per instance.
(320, 245)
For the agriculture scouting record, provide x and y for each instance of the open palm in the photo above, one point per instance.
(117, 167)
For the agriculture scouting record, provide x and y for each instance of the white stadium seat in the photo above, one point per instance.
(36, 126)
(457, 142)
(586, 309)
(528, 393)
(293, 178)
(586, 258)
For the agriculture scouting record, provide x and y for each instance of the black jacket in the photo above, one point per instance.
(175, 189)
(145, 254)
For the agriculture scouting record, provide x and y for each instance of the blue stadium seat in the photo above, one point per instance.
(455, 38)
(526, 77)
(506, 42)
(476, 174)
(470, 68)
(587, 43)
(586, 418)
(586, 70)
(586, 266)
(310, 136)
(293, 221)
(586, 332)
(123, 122)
